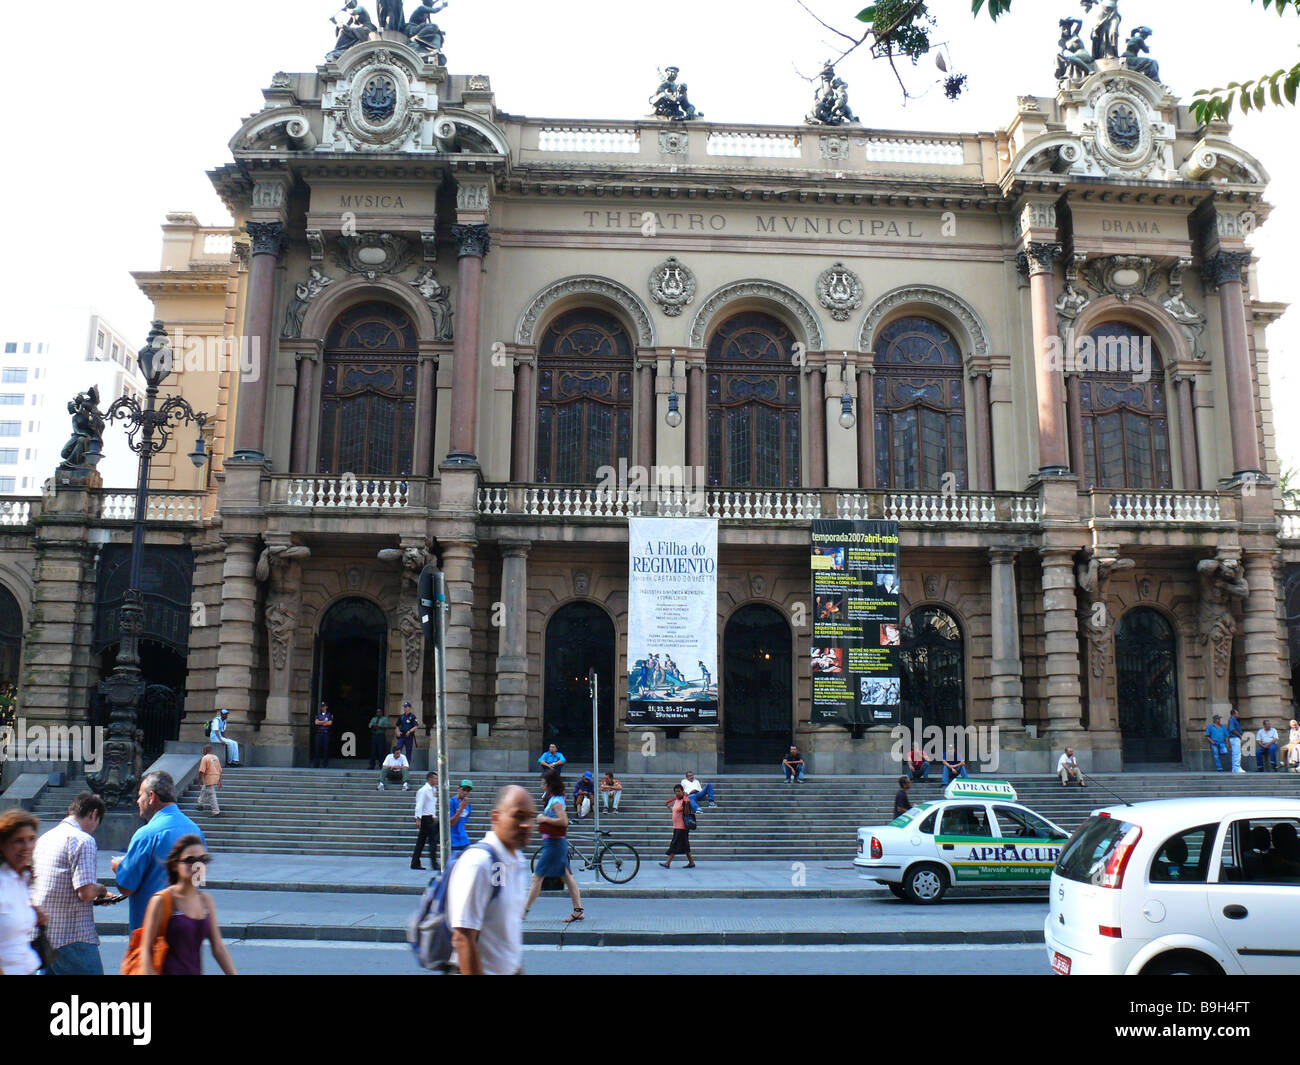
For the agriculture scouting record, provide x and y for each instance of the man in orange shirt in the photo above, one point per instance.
(209, 779)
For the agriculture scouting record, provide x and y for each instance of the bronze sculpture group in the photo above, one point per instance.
(1076, 59)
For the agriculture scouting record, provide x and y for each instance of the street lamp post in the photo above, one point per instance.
(149, 430)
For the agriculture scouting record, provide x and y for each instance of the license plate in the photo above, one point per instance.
(1060, 963)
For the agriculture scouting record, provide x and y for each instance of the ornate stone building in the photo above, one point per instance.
(1039, 350)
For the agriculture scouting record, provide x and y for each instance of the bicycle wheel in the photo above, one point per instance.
(619, 862)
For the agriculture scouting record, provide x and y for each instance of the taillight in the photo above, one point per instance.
(877, 851)
(1113, 875)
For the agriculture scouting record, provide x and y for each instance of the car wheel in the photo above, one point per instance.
(925, 884)
(897, 891)
(1181, 964)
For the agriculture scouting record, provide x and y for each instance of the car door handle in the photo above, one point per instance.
(948, 846)
(1235, 913)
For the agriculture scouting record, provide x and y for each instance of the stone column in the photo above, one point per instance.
(521, 463)
(303, 409)
(983, 432)
(645, 412)
(236, 655)
(697, 416)
(1186, 386)
(268, 240)
(1225, 270)
(472, 242)
(282, 616)
(1061, 640)
(1260, 638)
(1053, 459)
(1005, 680)
(1074, 420)
(426, 401)
(458, 566)
(866, 428)
(816, 427)
(512, 646)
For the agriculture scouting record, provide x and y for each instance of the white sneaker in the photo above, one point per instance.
(406, 787)
(1238, 770)
(380, 787)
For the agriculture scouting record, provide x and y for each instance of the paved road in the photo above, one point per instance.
(381, 959)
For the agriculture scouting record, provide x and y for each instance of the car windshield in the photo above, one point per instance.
(1087, 851)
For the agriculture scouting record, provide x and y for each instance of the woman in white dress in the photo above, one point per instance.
(1292, 749)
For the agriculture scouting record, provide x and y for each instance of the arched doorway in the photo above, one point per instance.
(1147, 663)
(351, 656)
(757, 707)
(579, 638)
(933, 683)
(11, 655)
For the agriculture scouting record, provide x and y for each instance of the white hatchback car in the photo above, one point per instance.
(1187, 886)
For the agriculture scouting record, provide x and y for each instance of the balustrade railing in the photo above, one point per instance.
(593, 139)
(160, 507)
(18, 511)
(343, 493)
(1177, 507)
(931, 151)
(755, 145)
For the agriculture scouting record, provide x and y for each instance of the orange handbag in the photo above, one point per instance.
(133, 963)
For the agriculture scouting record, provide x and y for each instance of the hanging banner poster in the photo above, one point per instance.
(672, 623)
(855, 645)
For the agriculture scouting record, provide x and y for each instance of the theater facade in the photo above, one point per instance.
(491, 340)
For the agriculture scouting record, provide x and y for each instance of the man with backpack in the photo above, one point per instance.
(486, 890)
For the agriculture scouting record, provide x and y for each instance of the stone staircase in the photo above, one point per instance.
(339, 811)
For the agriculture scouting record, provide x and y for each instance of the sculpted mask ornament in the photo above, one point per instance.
(840, 291)
(412, 640)
(672, 286)
(1222, 582)
(581, 582)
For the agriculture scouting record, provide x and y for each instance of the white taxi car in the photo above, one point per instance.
(977, 834)
(1180, 886)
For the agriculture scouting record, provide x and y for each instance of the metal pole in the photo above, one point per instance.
(440, 705)
(595, 762)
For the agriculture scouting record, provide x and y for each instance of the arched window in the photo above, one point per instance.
(1122, 402)
(933, 686)
(367, 417)
(753, 401)
(584, 397)
(919, 406)
(1147, 668)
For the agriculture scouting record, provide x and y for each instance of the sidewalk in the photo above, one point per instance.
(393, 876)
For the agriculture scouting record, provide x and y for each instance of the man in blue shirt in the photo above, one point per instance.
(552, 758)
(460, 811)
(142, 873)
(1234, 741)
(1218, 737)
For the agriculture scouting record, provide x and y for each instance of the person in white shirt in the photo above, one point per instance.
(426, 816)
(695, 791)
(395, 768)
(18, 916)
(1067, 768)
(486, 893)
(1266, 744)
(219, 735)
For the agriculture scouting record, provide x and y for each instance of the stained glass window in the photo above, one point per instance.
(584, 397)
(753, 436)
(919, 407)
(1122, 403)
(367, 416)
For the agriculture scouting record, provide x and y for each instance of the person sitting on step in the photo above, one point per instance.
(395, 769)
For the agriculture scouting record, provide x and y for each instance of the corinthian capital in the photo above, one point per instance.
(1042, 256)
(1226, 267)
(267, 238)
(471, 239)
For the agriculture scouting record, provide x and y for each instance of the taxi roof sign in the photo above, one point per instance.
(980, 789)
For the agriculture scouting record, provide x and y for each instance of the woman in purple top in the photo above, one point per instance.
(193, 916)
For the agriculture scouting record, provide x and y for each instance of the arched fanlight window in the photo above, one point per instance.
(584, 397)
(753, 431)
(919, 407)
(367, 412)
(1122, 404)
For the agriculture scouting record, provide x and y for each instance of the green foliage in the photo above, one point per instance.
(1289, 482)
(899, 27)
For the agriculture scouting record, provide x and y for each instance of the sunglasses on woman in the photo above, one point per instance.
(204, 858)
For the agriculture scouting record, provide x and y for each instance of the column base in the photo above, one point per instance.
(460, 458)
(1048, 472)
(249, 456)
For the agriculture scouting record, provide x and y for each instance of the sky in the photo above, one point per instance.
(98, 156)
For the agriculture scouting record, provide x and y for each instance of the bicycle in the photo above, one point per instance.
(617, 862)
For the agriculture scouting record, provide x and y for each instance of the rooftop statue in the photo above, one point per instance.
(830, 101)
(391, 16)
(356, 29)
(1074, 62)
(424, 33)
(87, 429)
(1134, 54)
(670, 100)
(1104, 28)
